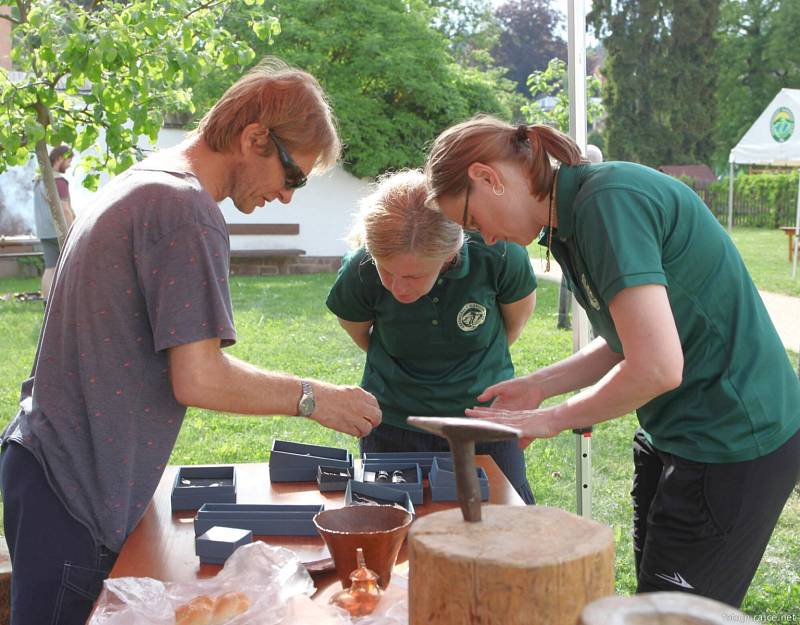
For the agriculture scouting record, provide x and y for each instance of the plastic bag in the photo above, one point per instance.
(270, 577)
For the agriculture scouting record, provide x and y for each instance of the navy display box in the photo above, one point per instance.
(298, 462)
(195, 486)
(218, 543)
(261, 519)
(332, 479)
(423, 458)
(365, 494)
(442, 481)
(411, 477)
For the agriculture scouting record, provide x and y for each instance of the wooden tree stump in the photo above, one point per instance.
(662, 608)
(532, 565)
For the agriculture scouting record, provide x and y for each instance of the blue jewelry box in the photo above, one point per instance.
(442, 481)
(331, 479)
(365, 494)
(218, 543)
(423, 458)
(195, 485)
(405, 476)
(299, 462)
(261, 519)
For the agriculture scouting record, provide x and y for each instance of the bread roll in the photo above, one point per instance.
(197, 612)
(228, 606)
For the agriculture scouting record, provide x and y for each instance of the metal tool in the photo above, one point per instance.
(462, 434)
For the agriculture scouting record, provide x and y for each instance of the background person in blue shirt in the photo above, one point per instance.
(434, 312)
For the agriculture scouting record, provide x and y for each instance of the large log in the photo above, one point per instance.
(520, 565)
(662, 608)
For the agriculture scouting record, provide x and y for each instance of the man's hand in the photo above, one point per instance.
(347, 409)
(516, 394)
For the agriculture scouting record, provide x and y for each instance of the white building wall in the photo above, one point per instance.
(323, 208)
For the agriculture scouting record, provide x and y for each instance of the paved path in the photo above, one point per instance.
(784, 310)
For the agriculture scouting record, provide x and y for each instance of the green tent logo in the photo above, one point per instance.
(781, 125)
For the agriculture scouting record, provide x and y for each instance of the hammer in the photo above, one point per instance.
(462, 434)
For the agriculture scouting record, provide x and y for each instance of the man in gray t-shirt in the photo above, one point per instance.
(135, 325)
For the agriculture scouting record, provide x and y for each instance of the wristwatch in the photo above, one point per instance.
(306, 405)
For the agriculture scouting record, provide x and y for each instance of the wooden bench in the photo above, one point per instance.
(790, 230)
(264, 261)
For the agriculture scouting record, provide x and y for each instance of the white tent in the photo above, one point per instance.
(774, 139)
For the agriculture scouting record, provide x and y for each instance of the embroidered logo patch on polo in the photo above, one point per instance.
(471, 316)
(589, 295)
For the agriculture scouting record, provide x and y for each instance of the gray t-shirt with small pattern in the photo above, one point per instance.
(144, 269)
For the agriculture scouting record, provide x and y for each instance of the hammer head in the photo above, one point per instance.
(464, 429)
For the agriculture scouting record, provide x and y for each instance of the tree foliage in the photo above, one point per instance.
(469, 27)
(757, 56)
(390, 76)
(660, 78)
(554, 82)
(113, 67)
(528, 38)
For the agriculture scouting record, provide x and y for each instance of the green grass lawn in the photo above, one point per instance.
(765, 252)
(284, 325)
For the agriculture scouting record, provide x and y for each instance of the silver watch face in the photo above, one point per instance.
(306, 406)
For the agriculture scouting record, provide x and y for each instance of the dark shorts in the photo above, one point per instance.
(703, 528)
(51, 251)
(507, 454)
(57, 569)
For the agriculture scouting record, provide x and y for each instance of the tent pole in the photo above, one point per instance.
(796, 228)
(576, 66)
(730, 198)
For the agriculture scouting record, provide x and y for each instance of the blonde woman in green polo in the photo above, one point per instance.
(683, 339)
(435, 314)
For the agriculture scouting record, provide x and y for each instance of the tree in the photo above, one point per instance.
(554, 82)
(109, 66)
(528, 38)
(469, 27)
(660, 74)
(757, 56)
(390, 76)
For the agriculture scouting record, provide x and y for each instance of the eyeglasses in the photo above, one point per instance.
(294, 178)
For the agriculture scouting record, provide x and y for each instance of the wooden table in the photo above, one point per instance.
(790, 230)
(162, 545)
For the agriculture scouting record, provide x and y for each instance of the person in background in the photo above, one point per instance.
(61, 160)
(435, 313)
(138, 315)
(683, 339)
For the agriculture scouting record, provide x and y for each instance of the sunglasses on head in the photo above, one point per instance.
(294, 178)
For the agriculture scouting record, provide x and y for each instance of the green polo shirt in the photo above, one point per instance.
(436, 355)
(622, 225)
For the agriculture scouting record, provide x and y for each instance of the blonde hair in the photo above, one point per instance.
(288, 101)
(395, 219)
(486, 139)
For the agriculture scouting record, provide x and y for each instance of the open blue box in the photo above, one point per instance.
(218, 543)
(423, 458)
(442, 481)
(331, 479)
(261, 519)
(298, 462)
(380, 495)
(194, 486)
(411, 473)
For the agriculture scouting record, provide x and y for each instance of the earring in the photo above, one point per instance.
(499, 191)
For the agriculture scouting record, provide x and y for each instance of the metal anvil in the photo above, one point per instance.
(462, 434)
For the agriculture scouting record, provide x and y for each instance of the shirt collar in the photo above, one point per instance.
(461, 270)
(567, 187)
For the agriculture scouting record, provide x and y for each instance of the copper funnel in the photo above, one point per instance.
(378, 530)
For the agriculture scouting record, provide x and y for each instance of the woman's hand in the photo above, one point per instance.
(517, 394)
(532, 424)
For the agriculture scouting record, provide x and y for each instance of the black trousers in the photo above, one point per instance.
(57, 569)
(507, 454)
(703, 528)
